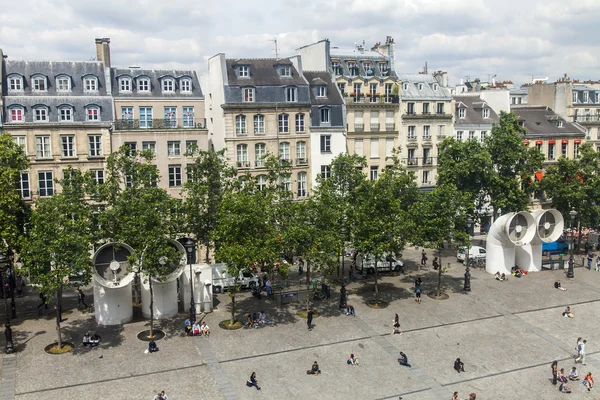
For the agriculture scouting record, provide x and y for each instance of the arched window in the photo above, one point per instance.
(124, 84)
(16, 114)
(15, 83)
(40, 114)
(300, 153)
(185, 85)
(240, 125)
(284, 151)
(90, 83)
(63, 83)
(168, 85)
(143, 84)
(39, 83)
(65, 113)
(92, 113)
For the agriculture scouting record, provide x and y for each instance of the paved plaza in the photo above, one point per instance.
(506, 333)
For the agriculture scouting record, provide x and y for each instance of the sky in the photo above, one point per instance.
(512, 39)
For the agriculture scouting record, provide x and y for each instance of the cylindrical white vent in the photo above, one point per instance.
(506, 233)
(549, 226)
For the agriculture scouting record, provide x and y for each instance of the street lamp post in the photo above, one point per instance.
(8, 343)
(190, 246)
(343, 232)
(570, 271)
(467, 287)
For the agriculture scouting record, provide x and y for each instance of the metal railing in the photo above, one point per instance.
(374, 127)
(390, 126)
(161, 123)
(587, 118)
(359, 127)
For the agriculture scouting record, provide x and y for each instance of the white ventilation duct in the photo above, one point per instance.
(507, 232)
(549, 226)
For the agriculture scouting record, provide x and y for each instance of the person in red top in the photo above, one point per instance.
(588, 381)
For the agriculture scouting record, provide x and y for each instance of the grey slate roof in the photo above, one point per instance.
(427, 93)
(263, 72)
(473, 106)
(77, 103)
(333, 100)
(155, 76)
(541, 121)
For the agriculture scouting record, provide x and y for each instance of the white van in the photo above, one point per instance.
(385, 263)
(474, 253)
(223, 281)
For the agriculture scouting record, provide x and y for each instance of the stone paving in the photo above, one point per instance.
(507, 334)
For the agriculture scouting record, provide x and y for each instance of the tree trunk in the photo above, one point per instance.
(207, 259)
(151, 308)
(376, 282)
(439, 285)
(58, 317)
(232, 318)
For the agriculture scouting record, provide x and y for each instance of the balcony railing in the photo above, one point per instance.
(301, 161)
(411, 138)
(427, 138)
(412, 161)
(359, 127)
(374, 127)
(162, 123)
(390, 126)
(259, 164)
(372, 99)
(243, 164)
(427, 160)
(582, 119)
(426, 116)
(419, 161)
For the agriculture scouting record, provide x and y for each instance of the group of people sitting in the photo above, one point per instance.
(256, 320)
(91, 341)
(161, 396)
(500, 277)
(568, 313)
(517, 271)
(196, 329)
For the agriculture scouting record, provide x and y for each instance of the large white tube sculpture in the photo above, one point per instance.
(549, 226)
(202, 284)
(165, 290)
(507, 232)
(112, 277)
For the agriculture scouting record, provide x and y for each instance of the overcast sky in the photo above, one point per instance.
(513, 39)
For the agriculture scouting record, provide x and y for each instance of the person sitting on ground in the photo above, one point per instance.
(187, 326)
(255, 318)
(568, 313)
(588, 381)
(262, 318)
(563, 388)
(503, 276)
(516, 271)
(459, 366)
(87, 340)
(455, 396)
(558, 286)
(561, 376)
(250, 322)
(204, 329)
(403, 360)
(350, 310)
(436, 263)
(498, 276)
(314, 369)
(472, 396)
(352, 360)
(95, 341)
(574, 375)
(196, 328)
(152, 347)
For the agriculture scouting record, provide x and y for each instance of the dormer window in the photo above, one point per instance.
(185, 85)
(40, 114)
(598, 97)
(368, 69)
(17, 114)
(586, 97)
(559, 123)
(63, 84)
(462, 112)
(243, 71)
(337, 69)
(124, 85)
(248, 95)
(420, 86)
(574, 97)
(383, 67)
(485, 112)
(15, 83)
(168, 85)
(321, 91)
(291, 94)
(39, 84)
(92, 113)
(435, 86)
(143, 85)
(286, 71)
(65, 113)
(405, 86)
(353, 69)
(90, 84)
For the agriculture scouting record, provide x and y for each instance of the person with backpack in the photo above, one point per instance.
(81, 299)
(418, 291)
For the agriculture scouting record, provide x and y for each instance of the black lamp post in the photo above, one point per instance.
(343, 232)
(190, 246)
(4, 263)
(570, 271)
(467, 287)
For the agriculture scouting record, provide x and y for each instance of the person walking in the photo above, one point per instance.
(81, 299)
(396, 325)
(418, 291)
(252, 381)
(590, 258)
(268, 288)
(309, 318)
(43, 303)
(598, 263)
(554, 368)
(423, 258)
(581, 356)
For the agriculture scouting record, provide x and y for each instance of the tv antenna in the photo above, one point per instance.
(274, 40)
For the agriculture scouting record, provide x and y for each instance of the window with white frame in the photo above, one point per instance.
(405, 86)
(95, 145)
(124, 85)
(425, 108)
(302, 184)
(374, 172)
(63, 84)
(285, 71)
(284, 123)
(441, 130)
(325, 143)
(15, 83)
(38, 84)
(459, 136)
(168, 85)
(90, 84)
(324, 114)
(149, 146)
(40, 114)
(126, 113)
(65, 114)
(17, 114)
(299, 122)
(284, 151)
(482, 136)
(42, 146)
(45, 183)
(132, 148)
(98, 176)
(260, 151)
(574, 97)
(143, 85)
(21, 141)
(145, 117)
(358, 147)
(485, 112)
(301, 152)
(321, 91)
(242, 155)
(291, 94)
(286, 183)
(170, 117)
(412, 132)
(374, 148)
(440, 108)
(342, 87)
(425, 179)
(67, 145)
(586, 97)
(173, 148)
(337, 69)
(471, 135)
(420, 86)
(426, 132)
(357, 88)
(188, 117)
(24, 187)
(373, 91)
(243, 71)
(185, 85)
(240, 125)
(259, 124)
(462, 112)
(352, 69)
(174, 175)
(248, 95)
(261, 182)
(325, 171)
(191, 147)
(389, 147)
(92, 113)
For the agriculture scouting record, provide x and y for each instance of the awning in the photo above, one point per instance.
(565, 141)
(526, 143)
(539, 142)
(539, 175)
(577, 141)
(382, 62)
(334, 60)
(551, 141)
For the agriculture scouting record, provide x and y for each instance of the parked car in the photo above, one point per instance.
(561, 246)
(385, 263)
(474, 252)
(223, 281)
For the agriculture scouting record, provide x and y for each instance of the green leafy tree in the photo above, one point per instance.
(13, 210)
(209, 178)
(58, 241)
(142, 215)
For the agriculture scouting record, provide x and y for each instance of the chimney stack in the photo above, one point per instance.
(103, 51)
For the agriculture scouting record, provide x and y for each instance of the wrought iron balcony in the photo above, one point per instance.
(390, 126)
(162, 123)
(587, 119)
(359, 127)
(426, 116)
(374, 127)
